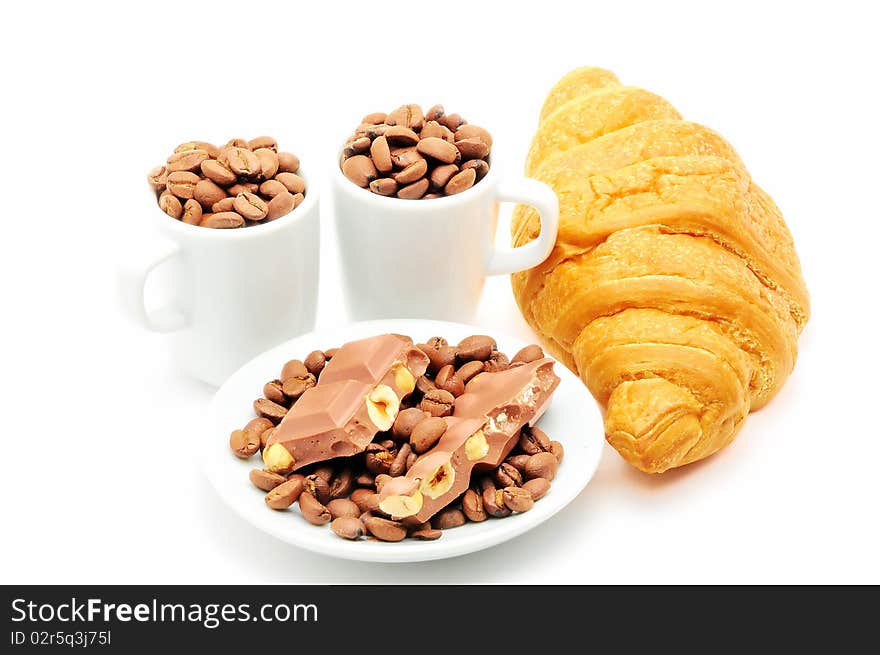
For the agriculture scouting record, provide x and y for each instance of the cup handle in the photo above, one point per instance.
(502, 261)
(131, 279)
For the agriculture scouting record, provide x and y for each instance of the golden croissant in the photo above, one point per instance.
(674, 290)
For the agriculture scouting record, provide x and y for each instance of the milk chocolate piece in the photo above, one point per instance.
(358, 394)
(377, 359)
(480, 434)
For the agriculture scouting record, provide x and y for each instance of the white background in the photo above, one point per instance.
(100, 471)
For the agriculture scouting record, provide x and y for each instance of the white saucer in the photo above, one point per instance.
(573, 418)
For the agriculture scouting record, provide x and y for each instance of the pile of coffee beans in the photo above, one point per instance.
(344, 492)
(239, 184)
(414, 155)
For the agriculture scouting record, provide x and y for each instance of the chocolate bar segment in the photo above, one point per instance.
(358, 394)
(376, 358)
(480, 434)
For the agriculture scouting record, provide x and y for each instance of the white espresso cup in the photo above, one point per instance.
(234, 292)
(430, 258)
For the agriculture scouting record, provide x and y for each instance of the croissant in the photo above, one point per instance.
(674, 290)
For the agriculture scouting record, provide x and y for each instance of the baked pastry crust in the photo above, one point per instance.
(674, 289)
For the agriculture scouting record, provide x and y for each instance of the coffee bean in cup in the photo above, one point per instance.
(240, 184)
(414, 155)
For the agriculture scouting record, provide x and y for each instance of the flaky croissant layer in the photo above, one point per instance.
(674, 289)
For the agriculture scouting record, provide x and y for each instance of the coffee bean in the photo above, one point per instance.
(406, 420)
(381, 154)
(271, 188)
(367, 500)
(169, 204)
(493, 503)
(480, 166)
(208, 193)
(541, 465)
(343, 507)
(401, 136)
(435, 113)
(312, 510)
(314, 362)
(475, 347)
(294, 368)
(365, 479)
(398, 465)
(347, 527)
(182, 184)
(281, 204)
(272, 391)
(497, 362)
(447, 380)
(438, 357)
(472, 506)
(325, 472)
(286, 493)
(267, 409)
(342, 483)
(210, 148)
(292, 182)
(534, 440)
(158, 177)
(244, 443)
(262, 142)
(507, 475)
(529, 354)
(469, 371)
(403, 157)
(473, 131)
(461, 181)
(438, 149)
(413, 191)
(537, 487)
(268, 162)
(266, 480)
(448, 518)
(375, 118)
(287, 162)
(378, 461)
(222, 220)
(452, 121)
(427, 534)
(357, 146)
(250, 206)
(427, 433)
(295, 387)
(424, 384)
(411, 173)
(438, 403)
(318, 486)
(518, 462)
(225, 205)
(432, 129)
(360, 170)
(243, 187)
(517, 500)
(187, 160)
(384, 529)
(441, 175)
(557, 450)
(244, 162)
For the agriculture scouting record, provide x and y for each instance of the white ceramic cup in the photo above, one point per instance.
(430, 258)
(235, 292)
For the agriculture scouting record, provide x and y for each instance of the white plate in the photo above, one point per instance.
(572, 418)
